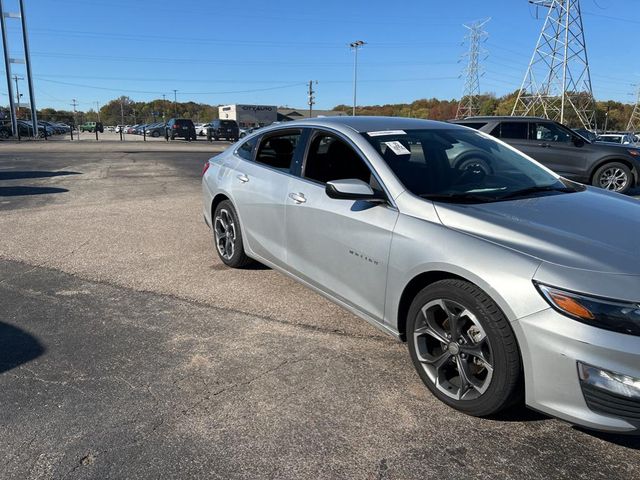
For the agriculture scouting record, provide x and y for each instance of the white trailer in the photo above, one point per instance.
(249, 115)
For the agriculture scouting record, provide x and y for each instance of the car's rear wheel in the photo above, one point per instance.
(228, 236)
(463, 348)
(614, 176)
(155, 134)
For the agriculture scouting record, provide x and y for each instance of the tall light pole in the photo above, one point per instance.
(175, 102)
(355, 45)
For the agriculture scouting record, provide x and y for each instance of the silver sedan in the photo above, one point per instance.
(508, 282)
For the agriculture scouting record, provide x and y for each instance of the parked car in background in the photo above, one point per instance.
(26, 129)
(5, 131)
(180, 127)
(92, 127)
(156, 130)
(227, 129)
(202, 130)
(608, 166)
(508, 283)
(619, 138)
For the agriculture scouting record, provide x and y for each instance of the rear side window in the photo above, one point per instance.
(512, 130)
(246, 149)
(277, 150)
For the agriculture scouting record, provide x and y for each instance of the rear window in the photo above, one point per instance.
(184, 122)
(227, 123)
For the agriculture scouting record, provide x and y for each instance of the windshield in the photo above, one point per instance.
(462, 165)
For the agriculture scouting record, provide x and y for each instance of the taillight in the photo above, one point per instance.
(175, 126)
(206, 167)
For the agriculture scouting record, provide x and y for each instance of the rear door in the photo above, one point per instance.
(260, 186)
(340, 246)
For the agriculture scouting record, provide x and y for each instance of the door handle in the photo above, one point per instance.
(297, 197)
(243, 178)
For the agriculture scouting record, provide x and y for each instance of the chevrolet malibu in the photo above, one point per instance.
(507, 281)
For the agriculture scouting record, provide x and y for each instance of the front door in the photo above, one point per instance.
(340, 246)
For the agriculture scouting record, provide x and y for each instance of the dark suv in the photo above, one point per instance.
(227, 129)
(180, 127)
(564, 151)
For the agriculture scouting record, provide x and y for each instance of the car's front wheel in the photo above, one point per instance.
(614, 176)
(463, 348)
(228, 236)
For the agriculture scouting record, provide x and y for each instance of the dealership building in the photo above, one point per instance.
(254, 115)
(249, 115)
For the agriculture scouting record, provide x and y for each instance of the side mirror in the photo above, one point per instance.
(578, 142)
(352, 189)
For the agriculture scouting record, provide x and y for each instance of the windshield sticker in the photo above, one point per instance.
(397, 148)
(386, 132)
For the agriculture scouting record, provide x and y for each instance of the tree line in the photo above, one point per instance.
(127, 111)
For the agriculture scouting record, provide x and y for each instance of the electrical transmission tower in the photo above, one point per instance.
(557, 84)
(634, 121)
(468, 106)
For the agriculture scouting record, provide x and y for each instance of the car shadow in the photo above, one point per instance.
(20, 174)
(23, 191)
(17, 347)
(628, 441)
(519, 413)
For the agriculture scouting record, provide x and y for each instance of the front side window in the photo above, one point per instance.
(460, 165)
(277, 150)
(550, 132)
(330, 158)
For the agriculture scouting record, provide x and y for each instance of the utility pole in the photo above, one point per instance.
(121, 113)
(175, 103)
(634, 122)
(312, 99)
(74, 104)
(98, 110)
(355, 46)
(468, 106)
(164, 105)
(557, 84)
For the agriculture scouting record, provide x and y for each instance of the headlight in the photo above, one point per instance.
(615, 315)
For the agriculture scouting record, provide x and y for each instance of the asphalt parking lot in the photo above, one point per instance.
(127, 350)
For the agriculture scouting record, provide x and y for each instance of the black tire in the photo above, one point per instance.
(614, 176)
(155, 134)
(4, 134)
(172, 137)
(501, 388)
(236, 258)
(216, 138)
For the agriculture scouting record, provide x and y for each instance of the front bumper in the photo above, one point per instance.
(551, 346)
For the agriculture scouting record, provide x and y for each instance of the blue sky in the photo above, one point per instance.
(265, 51)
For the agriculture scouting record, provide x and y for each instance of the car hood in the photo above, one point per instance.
(591, 230)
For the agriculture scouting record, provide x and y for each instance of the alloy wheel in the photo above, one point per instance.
(453, 349)
(225, 234)
(613, 178)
